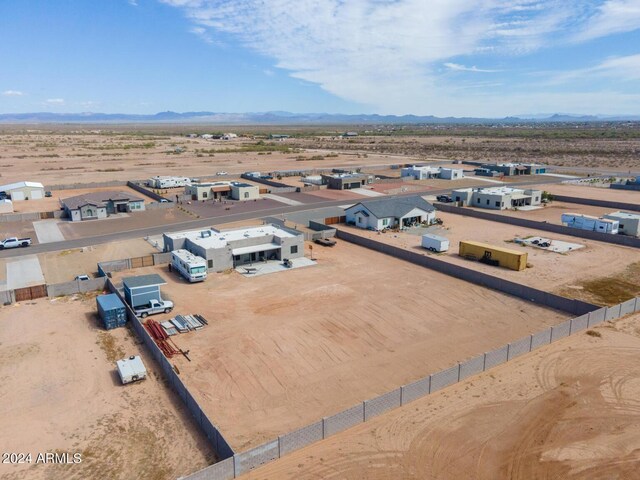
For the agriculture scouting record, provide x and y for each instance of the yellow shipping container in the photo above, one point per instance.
(502, 257)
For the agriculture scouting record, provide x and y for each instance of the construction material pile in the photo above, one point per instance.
(161, 338)
(184, 324)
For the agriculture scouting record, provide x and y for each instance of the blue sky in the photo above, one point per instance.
(443, 57)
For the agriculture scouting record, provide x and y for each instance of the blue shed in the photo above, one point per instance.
(112, 311)
(140, 290)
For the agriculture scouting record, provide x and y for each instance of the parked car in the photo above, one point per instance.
(154, 307)
(47, 194)
(164, 200)
(444, 198)
(14, 242)
(221, 173)
(82, 277)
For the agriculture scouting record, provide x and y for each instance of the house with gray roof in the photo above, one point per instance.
(96, 205)
(391, 212)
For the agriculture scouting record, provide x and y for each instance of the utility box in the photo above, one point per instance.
(497, 256)
(112, 311)
(435, 243)
(131, 369)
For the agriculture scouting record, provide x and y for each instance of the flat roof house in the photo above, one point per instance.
(496, 198)
(345, 181)
(220, 190)
(91, 206)
(23, 190)
(381, 213)
(628, 223)
(426, 172)
(230, 248)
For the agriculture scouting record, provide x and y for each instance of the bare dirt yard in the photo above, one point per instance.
(63, 266)
(283, 350)
(61, 393)
(123, 222)
(569, 410)
(553, 211)
(598, 193)
(562, 273)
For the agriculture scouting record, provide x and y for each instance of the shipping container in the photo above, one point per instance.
(112, 311)
(435, 243)
(502, 257)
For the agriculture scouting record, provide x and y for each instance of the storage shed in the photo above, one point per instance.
(140, 290)
(491, 255)
(131, 369)
(23, 190)
(112, 311)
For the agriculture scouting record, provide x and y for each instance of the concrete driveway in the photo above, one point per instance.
(47, 231)
(24, 272)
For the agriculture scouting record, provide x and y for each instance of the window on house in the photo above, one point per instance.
(359, 219)
(478, 200)
(294, 249)
(210, 263)
(487, 201)
(497, 204)
(621, 226)
(385, 221)
(246, 194)
(204, 194)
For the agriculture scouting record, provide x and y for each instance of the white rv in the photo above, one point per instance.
(168, 182)
(190, 266)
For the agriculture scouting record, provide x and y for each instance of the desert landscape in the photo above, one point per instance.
(568, 410)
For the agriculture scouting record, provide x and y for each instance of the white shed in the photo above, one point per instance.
(23, 190)
(131, 369)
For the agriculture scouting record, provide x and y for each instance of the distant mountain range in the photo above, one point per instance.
(287, 118)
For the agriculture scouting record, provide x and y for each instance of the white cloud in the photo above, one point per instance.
(387, 55)
(613, 16)
(13, 93)
(462, 68)
(622, 69)
(54, 101)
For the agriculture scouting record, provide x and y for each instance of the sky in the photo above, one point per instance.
(482, 58)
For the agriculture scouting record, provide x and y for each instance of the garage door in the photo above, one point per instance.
(36, 194)
(17, 195)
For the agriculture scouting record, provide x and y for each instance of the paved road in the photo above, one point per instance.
(208, 222)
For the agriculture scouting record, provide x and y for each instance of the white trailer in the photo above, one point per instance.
(587, 222)
(168, 182)
(131, 369)
(435, 243)
(190, 266)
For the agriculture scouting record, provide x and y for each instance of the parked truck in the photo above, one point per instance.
(154, 307)
(14, 242)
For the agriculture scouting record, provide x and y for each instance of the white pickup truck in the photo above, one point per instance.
(153, 307)
(14, 242)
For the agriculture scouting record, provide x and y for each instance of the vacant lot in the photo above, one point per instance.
(67, 397)
(584, 191)
(283, 350)
(63, 266)
(553, 272)
(553, 211)
(569, 410)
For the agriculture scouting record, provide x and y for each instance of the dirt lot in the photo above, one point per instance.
(54, 202)
(552, 213)
(56, 155)
(283, 350)
(123, 222)
(626, 196)
(569, 411)
(18, 229)
(63, 266)
(554, 272)
(67, 397)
